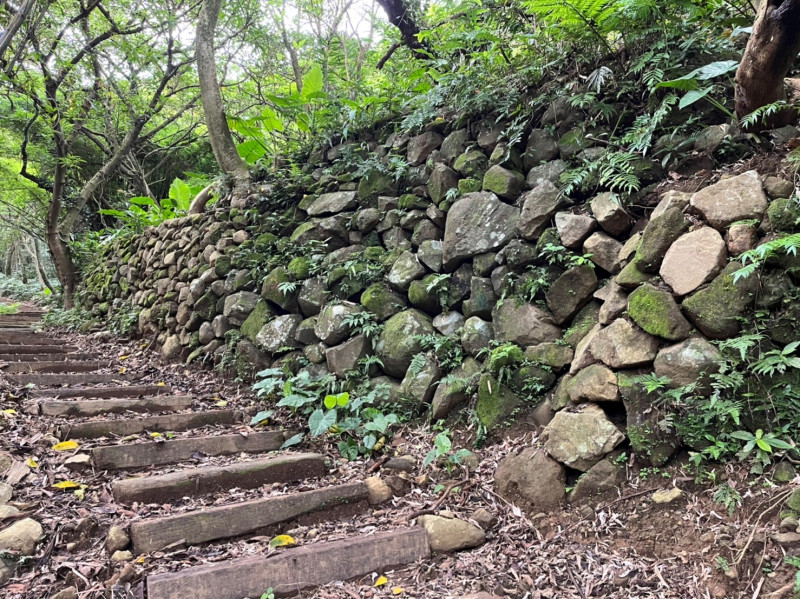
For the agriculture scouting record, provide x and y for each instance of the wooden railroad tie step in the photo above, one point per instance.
(84, 378)
(293, 570)
(130, 392)
(39, 349)
(56, 366)
(96, 407)
(137, 426)
(28, 339)
(140, 455)
(210, 479)
(247, 518)
(60, 357)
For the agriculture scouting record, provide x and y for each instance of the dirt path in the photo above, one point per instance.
(163, 490)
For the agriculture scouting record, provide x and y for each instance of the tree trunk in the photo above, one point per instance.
(59, 250)
(400, 16)
(771, 50)
(13, 27)
(220, 136)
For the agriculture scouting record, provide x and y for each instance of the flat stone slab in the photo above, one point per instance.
(137, 426)
(294, 570)
(119, 457)
(57, 366)
(131, 391)
(12, 356)
(96, 407)
(52, 380)
(242, 518)
(210, 479)
(18, 338)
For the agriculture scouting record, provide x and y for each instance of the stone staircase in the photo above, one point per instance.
(88, 403)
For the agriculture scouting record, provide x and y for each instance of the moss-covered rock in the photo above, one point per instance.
(656, 311)
(399, 342)
(468, 185)
(496, 402)
(784, 214)
(206, 306)
(279, 289)
(382, 301)
(659, 234)
(299, 268)
(375, 183)
(472, 164)
(505, 183)
(260, 315)
(717, 310)
(646, 436)
(426, 294)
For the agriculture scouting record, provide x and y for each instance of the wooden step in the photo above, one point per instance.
(140, 455)
(51, 380)
(137, 426)
(210, 479)
(28, 339)
(96, 407)
(290, 571)
(131, 391)
(247, 517)
(14, 357)
(57, 366)
(41, 349)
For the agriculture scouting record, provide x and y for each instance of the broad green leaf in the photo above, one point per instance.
(262, 417)
(293, 440)
(693, 96)
(313, 82)
(251, 151)
(763, 445)
(180, 193)
(296, 400)
(319, 422)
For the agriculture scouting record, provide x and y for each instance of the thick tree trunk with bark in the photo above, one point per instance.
(771, 50)
(400, 16)
(218, 132)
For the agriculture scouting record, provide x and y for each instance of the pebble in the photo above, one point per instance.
(667, 496)
(122, 556)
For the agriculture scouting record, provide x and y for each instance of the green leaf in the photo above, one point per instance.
(296, 400)
(180, 193)
(763, 445)
(779, 444)
(313, 82)
(319, 422)
(370, 441)
(715, 69)
(680, 83)
(742, 435)
(293, 440)
(693, 96)
(262, 416)
(251, 151)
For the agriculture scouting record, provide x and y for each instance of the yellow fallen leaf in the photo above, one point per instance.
(161, 384)
(221, 403)
(124, 357)
(382, 580)
(67, 484)
(80, 493)
(123, 370)
(10, 411)
(156, 435)
(65, 446)
(397, 591)
(31, 463)
(282, 541)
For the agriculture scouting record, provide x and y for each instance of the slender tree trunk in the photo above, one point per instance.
(59, 250)
(13, 27)
(218, 132)
(401, 17)
(771, 50)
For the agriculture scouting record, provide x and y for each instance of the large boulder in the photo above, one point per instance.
(538, 207)
(496, 402)
(476, 224)
(659, 234)
(419, 385)
(382, 301)
(717, 310)
(21, 536)
(687, 362)
(573, 229)
(451, 534)
(570, 292)
(450, 395)
(610, 214)
(541, 147)
(279, 289)
(421, 146)
(344, 357)
(405, 269)
(730, 200)
(442, 180)
(649, 439)
(472, 164)
(532, 480)
(332, 326)
(239, 306)
(695, 258)
(398, 342)
(657, 312)
(594, 383)
(332, 203)
(604, 251)
(279, 334)
(505, 183)
(523, 324)
(580, 437)
(476, 335)
(622, 345)
(604, 477)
